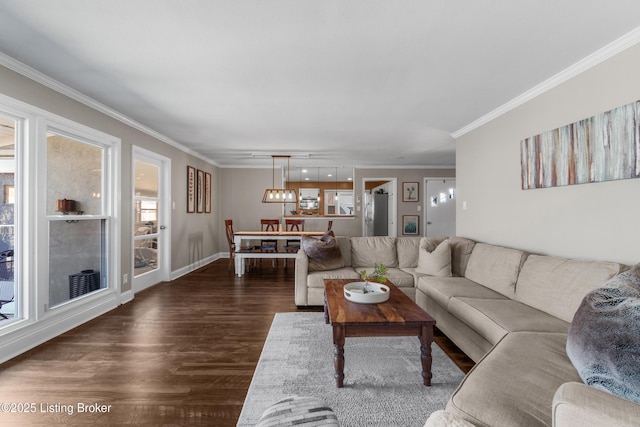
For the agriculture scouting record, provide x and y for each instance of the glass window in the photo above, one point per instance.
(74, 176)
(77, 239)
(8, 300)
(76, 259)
(146, 200)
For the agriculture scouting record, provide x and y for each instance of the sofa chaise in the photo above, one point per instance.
(508, 310)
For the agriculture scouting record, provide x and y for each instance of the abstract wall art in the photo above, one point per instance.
(604, 147)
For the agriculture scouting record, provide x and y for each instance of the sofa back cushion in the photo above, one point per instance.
(408, 249)
(495, 267)
(461, 249)
(345, 249)
(367, 251)
(557, 285)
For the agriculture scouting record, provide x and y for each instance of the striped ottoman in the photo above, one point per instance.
(298, 411)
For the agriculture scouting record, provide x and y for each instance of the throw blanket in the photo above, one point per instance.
(604, 337)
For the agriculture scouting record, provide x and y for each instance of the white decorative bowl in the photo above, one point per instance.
(375, 292)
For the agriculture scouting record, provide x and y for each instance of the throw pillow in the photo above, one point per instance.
(604, 337)
(436, 262)
(323, 253)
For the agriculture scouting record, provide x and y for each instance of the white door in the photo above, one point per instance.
(440, 207)
(150, 219)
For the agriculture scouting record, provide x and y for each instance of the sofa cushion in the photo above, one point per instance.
(323, 253)
(316, 279)
(578, 405)
(517, 379)
(345, 249)
(495, 267)
(400, 278)
(557, 285)
(442, 289)
(435, 261)
(492, 319)
(461, 249)
(604, 337)
(368, 251)
(407, 248)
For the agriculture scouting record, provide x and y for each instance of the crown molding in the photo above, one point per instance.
(41, 78)
(599, 56)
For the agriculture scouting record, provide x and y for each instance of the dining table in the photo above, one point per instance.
(245, 252)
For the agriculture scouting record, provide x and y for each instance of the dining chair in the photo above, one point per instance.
(269, 245)
(228, 226)
(292, 245)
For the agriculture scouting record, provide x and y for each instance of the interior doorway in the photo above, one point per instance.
(379, 203)
(151, 215)
(439, 207)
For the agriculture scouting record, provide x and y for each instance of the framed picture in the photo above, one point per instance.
(207, 192)
(410, 192)
(200, 192)
(191, 189)
(410, 224)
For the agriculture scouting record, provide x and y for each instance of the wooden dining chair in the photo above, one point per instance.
(292, 245)
(228, 226)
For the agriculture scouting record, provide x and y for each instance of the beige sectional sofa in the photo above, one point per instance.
(399, 255)
(510, 312)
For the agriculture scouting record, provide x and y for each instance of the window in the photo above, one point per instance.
(8, 306)
(77, 219)
(59, 238)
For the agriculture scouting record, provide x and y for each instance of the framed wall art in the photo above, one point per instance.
(200, 192)
(600, 148)
(410, 192)
(410, 225)
(191, 189)
(207, 192)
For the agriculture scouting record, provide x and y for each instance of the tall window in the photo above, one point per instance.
(77, 220)
(8, 306)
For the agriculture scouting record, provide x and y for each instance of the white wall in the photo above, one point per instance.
(591, 221)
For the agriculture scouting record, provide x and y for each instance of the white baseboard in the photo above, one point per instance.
(196, 265)
(126, 296)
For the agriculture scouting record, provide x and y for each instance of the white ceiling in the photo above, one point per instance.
(358, 82)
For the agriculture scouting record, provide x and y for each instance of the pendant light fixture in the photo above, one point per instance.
(279, 195)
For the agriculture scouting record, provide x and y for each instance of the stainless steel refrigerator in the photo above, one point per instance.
(380, 214)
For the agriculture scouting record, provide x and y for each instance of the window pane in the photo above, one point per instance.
(76, 259)
(8, 306)
(74, 176)
(146, 184)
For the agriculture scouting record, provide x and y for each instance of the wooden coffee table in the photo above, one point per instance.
(397, 317)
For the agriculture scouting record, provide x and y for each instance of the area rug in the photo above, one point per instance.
(382, 384)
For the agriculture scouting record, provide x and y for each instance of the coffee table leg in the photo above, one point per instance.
(426, 338)
(338, 355)
(326, 310)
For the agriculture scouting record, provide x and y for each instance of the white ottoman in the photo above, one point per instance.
(298, 411)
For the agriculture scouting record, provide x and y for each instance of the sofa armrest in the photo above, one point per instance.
(302, 270)
(579, 405)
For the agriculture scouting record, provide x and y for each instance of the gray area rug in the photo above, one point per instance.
(382, 385)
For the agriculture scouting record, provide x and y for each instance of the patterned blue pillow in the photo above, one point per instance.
(604, 337)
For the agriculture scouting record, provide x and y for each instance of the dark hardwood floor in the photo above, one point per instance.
(180, 354)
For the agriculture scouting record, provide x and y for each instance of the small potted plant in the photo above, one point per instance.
(379, 274)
